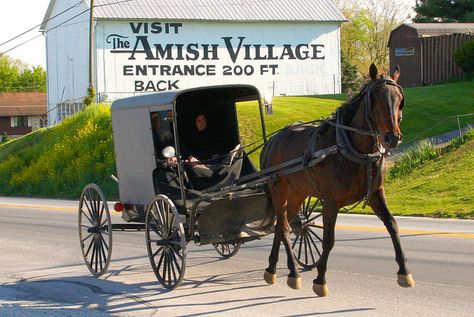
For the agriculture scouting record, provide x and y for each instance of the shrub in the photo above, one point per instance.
(5, 137)
(414, 157)
(464, 57)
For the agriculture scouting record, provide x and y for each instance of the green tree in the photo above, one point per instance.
(350, 80)
(364, 38)
(444, 11)
(18, 76)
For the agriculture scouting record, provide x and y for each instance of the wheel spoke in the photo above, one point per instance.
(157, 251)
(316, 226)
(295, 241)
(314, 243)
(172, 264)
(89, 248)
(314, 218)
(305, 239)
(311, 249)
(314, 234)
(90, 220)
(103, 242)
(88, 236)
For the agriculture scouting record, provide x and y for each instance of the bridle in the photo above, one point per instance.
(348, 150)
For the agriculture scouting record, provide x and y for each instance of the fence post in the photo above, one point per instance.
(459, 126)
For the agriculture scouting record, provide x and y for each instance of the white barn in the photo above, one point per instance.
(282, 47)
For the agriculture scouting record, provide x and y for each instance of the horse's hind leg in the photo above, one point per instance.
(278, 193)
(329, 212)
(379, 205)
(294, 279)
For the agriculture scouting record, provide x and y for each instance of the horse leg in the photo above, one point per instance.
(379, 205)
(278, 193)
(320, 286)
(294, 279)
(270, 272)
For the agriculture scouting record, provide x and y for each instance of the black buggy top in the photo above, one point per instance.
(144, 125)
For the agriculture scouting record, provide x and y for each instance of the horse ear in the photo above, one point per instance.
(396, 73)
(373, 72)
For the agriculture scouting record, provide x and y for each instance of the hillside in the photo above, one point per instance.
(59, 161)
(443, 187)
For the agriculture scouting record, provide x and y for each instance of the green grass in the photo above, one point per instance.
(442, 187)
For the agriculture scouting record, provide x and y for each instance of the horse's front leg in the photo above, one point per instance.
(320, 286)
(379, 205)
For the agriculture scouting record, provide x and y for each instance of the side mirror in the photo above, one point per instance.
(168, 152)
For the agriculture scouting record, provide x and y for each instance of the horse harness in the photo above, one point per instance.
(347, 148)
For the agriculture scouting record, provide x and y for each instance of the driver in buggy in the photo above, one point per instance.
(204, 164)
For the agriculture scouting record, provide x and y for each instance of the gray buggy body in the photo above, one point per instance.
(138, 155)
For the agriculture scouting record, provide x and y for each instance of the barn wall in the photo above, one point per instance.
(305, 57)
(438, 57)
(67, 57)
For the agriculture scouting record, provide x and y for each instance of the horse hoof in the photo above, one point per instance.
(270, 278)
(321, 290)
(405, 280)
(294, 282)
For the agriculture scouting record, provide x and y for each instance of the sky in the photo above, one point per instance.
(17, 16)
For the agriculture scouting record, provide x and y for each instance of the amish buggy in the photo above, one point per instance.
(307, 173)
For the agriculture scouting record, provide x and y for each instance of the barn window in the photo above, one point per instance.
(404, 51)
(17, 122)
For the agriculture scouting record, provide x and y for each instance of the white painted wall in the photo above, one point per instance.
(66, 56)
(291, 77)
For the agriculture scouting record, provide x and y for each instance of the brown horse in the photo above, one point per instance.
(360, 133)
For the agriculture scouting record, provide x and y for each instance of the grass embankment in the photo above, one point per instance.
(440, 187)
(59, 161)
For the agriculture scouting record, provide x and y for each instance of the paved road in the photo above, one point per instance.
(42, 272)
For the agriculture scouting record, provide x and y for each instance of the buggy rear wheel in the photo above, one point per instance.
(227, 250)
(165, 241)
(95, 230)
(307, 228)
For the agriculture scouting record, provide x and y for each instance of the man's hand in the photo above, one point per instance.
(192, 159)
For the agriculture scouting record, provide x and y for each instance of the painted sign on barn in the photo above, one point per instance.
(280, 59)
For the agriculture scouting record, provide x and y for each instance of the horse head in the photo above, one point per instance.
(384, 113)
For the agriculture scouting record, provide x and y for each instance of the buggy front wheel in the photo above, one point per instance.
(95, 230)
(165, 241)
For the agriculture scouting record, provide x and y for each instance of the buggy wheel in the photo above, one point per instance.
(165, 241)
(307, 227)
(227, 250)
(95, 230)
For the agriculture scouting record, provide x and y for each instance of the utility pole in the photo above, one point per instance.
(91, 45)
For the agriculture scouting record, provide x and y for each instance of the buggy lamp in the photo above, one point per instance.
(118, 207)
(168, 152)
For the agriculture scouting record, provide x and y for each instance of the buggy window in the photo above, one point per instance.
(162, 128)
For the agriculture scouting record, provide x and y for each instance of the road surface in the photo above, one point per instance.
(42, 272)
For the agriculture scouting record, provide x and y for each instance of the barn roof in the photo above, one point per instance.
(436, 29)
(214, 10)
(22, 104)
